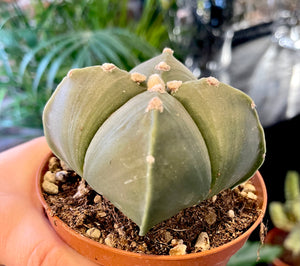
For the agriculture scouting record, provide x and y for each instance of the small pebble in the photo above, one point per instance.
(179, 249)
(61, 176)
(93, 233)
(81, 190)
(214, 198)
(251, 195)
(49, 187)
(101, 214)
(116, 226)
(49, 176)
(211, 217)
(202, 242)
(231, 213)
(142, 248)
(244, 194)
(53, 164)
(133, 244)
(249, 188)
(176, 242)
(109, 240)
(97, 199)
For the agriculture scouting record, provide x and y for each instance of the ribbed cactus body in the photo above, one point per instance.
(165, 65)
(155, 160)
(155, 146)
(228, 123)
(80, 105)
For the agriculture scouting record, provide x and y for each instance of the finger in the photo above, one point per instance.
(18, 167)
(28, 239)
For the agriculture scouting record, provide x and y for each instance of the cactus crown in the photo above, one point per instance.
(286, 216)
(154, 140)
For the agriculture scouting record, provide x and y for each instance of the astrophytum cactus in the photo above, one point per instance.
(156, 140)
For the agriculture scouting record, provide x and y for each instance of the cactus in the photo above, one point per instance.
(155, 140)
(286, 216)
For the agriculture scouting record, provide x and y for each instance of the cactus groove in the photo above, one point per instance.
(155, 140)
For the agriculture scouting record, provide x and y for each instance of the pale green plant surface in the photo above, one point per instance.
(155, 140)
(253, 253)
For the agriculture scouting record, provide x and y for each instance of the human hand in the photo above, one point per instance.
(26, 236)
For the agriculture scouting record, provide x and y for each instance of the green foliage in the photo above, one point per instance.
(252, 253)
(153, 150)
(286, 216)
(41, 42)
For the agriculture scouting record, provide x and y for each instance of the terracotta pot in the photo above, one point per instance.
(276, 237)
(105, 255)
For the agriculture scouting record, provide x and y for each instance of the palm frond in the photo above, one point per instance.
(48, 57)
(81, 58)
(136, 42)
(28, 57)
(80, 49)
(5, 61)
(23, 18)
(97, 51)
(104, 48)
(122, 50)
(38, 48)
(2, 94)
(59, 60)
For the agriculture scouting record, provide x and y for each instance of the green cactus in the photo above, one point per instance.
(156, 140)
(286, 216)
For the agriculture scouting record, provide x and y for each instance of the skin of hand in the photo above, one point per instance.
(26, 236)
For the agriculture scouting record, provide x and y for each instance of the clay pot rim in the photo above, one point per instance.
(89, 241)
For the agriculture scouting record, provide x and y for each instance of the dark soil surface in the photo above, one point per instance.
(223, 217)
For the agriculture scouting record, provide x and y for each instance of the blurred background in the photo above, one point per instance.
(253, 45)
